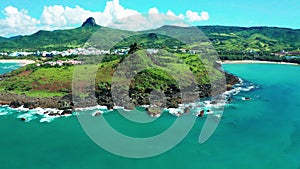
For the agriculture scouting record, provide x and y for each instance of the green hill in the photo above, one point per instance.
(158, 70)
(51, 40)
(224, 38)
(2, 39)
(260, 39)
(163, 70)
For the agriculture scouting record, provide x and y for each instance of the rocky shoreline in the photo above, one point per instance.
(103, 98)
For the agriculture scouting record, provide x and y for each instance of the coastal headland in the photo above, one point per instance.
(47, 86)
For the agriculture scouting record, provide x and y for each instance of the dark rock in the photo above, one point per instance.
(201, 113)
(109, 106)
(89, 22)
(53, 114)
(152, 36)
(129, 107)
(187, 110)
(66, 112)
(30, 105)
(97, 114)
(133, 48)
(213, 102)
(153, 111)
(231, 80)
(229, 100)
(15, 104)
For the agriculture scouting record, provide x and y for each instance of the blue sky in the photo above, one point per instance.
(28, 16)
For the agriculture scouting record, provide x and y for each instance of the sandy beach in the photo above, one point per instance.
(23, 62)
(253, 61)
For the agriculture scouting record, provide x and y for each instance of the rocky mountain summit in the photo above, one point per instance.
(89, 22)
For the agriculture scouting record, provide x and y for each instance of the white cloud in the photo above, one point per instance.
(62, 16)
(54, 15)
(194, 16)
(171, 13)
(181, 16)
(153, 10)
(115, 11)
(19, 22)
(59, 16)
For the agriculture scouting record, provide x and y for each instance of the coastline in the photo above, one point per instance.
(254, 62)
(27, 111)
(23, 62)
(66, 101)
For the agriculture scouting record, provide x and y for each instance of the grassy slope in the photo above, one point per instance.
(56, 81)
(45, 82)
(224, 38)
(42, 82)
(59, 39)
(262, 39)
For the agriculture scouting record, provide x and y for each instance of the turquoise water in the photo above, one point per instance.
(7, 67)
(262, 133)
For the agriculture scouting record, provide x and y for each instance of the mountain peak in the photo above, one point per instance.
(152, 36)
(89, 22)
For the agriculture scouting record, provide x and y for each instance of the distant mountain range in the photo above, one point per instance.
(223, 38)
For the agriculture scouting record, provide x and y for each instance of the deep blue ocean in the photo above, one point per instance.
(261, 133)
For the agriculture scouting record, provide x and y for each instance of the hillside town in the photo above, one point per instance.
(69, 52)
(121, 51)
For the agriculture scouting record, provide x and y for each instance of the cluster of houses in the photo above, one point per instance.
(16, 54)
(3, 54)
(61, 63)
(76, 51)
(284, 53)
(86, 52)
(69, 52)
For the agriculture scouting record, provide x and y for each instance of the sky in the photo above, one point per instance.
(23, 17)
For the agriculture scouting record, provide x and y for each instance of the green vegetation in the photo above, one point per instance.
(161, 71)
(226, 40)
(150, 41)
(238, 43)
(36, 81)
(261, 38)
(59, 39)
(154, 71)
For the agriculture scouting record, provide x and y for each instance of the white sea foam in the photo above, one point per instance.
(46, 119)
(175, 111)
(245, 98)
(215, 105)
(21, 108)
(27, 117)
(240, 87)
(118, 107)
(95, 113)
(211, 107)
(217, 115)
(98, 107)
(209, 112)
(3, 113)
(44, 114)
